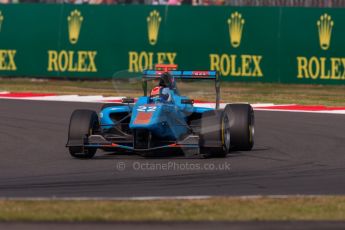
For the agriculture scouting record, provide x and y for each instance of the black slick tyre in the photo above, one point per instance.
(241, 121)
(82, 124)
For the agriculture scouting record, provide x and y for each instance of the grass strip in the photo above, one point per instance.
(331, 95)
(215, 209)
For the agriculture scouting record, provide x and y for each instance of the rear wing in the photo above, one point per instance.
(186, 74)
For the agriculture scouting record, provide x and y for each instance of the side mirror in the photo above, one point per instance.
(187, 101)
(127, 100)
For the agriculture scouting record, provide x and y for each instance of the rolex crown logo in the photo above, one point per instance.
(325, 26)
(153, 23)
(1, 20)
(74, 25)
(236, 23)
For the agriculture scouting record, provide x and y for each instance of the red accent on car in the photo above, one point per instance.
(166, 67)
(200, 73)
(143, 118)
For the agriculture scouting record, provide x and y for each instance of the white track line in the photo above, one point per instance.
(102, 99)
(302, 111)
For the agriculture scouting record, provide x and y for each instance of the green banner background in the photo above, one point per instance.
(193, 37)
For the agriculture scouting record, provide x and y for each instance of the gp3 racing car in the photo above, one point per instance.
(163, 121)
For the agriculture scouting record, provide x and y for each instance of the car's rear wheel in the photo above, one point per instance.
(211, 134)
(226, 132)
(83, 123)
(241, 123)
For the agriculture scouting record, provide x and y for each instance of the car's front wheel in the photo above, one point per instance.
(83, 123)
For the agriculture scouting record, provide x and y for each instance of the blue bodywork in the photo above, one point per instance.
(166, 121)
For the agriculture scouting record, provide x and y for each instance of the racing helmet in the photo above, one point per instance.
(166, 80)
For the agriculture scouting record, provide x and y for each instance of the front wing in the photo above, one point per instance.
(98, 141)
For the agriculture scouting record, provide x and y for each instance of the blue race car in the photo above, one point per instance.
(163, 121)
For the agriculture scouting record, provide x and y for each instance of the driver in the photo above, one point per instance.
(162, 91)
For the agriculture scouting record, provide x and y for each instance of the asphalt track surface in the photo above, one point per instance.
(294, 153)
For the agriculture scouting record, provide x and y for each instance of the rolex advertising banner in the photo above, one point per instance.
(287, 45)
